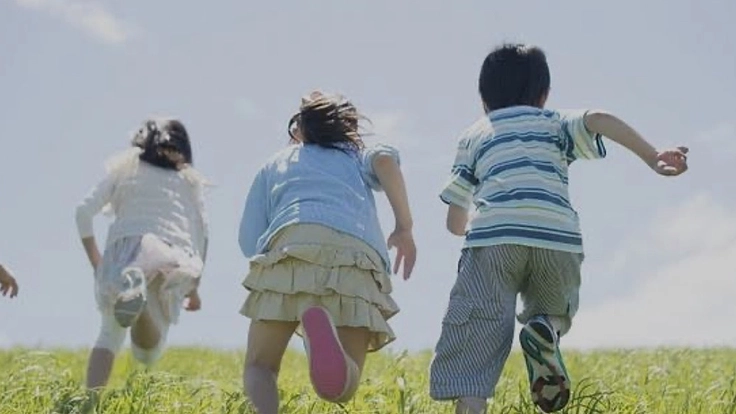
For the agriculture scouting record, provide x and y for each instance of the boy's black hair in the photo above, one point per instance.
(156, 136)
(514, 74)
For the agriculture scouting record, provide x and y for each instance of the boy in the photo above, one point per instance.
(8, 284)
(524, 237)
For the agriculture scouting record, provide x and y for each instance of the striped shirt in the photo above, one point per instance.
(512, 165)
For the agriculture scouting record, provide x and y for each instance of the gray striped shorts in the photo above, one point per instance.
(478, 327)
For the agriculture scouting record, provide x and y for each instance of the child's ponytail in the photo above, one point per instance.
(158, 140)
(329, 121)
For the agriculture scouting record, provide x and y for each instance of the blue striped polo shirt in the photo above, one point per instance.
(512, 165)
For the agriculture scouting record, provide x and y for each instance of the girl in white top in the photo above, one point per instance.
(155, 249)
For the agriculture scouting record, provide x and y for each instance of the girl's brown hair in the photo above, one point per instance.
(330, 121)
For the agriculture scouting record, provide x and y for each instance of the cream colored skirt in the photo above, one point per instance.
(312, 265)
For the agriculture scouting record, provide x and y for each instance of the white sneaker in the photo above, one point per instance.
(131, 301)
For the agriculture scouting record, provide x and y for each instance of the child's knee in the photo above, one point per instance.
(147, 356)
(258, 370)
(262, 367)
(111, 336)
(149, 347)
(263, 360)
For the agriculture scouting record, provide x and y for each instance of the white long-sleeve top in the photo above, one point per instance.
(148, 199)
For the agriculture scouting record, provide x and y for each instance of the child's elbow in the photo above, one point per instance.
(457, 219)
(598, 120)
(385, 163)
(455, 226)
(456, 230)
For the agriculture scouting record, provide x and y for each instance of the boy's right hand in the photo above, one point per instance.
(406, 250)
(671, 162)
(8, 285)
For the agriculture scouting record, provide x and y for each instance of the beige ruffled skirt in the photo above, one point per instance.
(312, 265)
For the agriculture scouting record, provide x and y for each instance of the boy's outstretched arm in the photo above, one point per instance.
(671, 162)
(391, 179)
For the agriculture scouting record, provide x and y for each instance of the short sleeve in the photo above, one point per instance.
(460, 187)
(580, 143)
(368, 155)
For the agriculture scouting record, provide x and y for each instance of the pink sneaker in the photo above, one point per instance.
(328, 367)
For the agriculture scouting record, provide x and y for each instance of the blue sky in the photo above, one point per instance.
(77, 76)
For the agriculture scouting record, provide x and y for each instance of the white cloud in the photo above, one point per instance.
(88, 15)
(686, 284)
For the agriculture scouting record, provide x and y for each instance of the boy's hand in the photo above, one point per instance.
(406, 250)
(194, 302)
(8, 285)
(671, 162)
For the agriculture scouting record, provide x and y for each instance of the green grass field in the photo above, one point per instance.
(204, 381)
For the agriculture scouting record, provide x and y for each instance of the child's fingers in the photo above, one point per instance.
(397, 262)
(409, 262)
(391, 242)
(670, 170)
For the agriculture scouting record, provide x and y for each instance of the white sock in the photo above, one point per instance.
(470, 405)
(559, 324)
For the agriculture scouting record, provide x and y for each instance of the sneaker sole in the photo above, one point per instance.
(127, 310)
(547, 373)
(328, 368)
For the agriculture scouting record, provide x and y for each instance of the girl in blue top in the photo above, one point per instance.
(319, 262)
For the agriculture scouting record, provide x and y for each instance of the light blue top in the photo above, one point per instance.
(315, 185)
